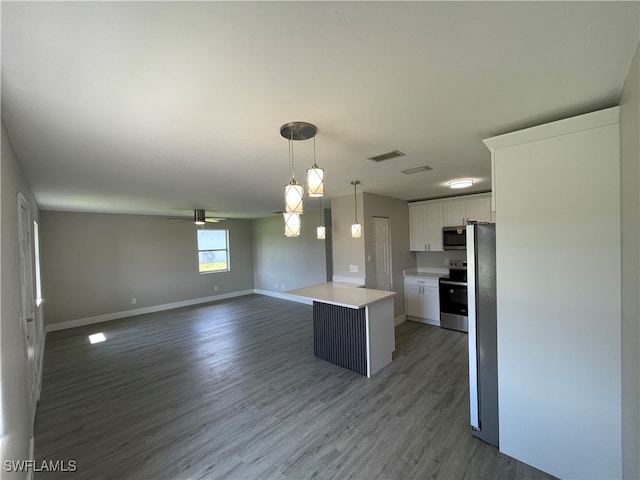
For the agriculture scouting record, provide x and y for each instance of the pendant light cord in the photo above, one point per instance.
(355, 199)
(293, 176)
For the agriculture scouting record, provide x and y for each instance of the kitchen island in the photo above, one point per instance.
(353, 327)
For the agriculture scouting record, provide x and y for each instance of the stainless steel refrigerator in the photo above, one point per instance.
(483, 342)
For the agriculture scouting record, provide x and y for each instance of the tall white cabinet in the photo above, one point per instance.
(557, 207)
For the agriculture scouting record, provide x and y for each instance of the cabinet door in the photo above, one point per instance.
(431, 303)
(435, 222)
(454, 213)
(417, 227)
(413, 299)
(479, 209)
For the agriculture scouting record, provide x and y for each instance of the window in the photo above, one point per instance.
(213, 251)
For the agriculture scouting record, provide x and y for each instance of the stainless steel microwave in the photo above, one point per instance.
(454, 238)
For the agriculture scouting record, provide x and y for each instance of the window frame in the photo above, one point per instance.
(226, 250)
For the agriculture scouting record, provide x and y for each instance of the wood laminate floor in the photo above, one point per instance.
(232, 390)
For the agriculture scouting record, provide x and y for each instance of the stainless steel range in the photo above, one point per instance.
(453, 297)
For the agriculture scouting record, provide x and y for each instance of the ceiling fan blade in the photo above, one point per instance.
(214, 219)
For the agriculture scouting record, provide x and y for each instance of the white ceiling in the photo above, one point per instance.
(153, 107)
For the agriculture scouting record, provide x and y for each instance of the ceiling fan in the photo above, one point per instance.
(199, 218)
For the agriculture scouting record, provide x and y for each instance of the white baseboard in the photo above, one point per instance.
(80, 322)
(401, 319)
(428, 321)
(284, 296)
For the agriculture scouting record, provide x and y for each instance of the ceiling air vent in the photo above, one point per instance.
(386, 156)
(411, 171)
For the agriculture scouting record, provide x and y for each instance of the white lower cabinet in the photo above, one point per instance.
(422, 301)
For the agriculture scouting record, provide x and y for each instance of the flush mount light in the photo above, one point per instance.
(462, 183)
(356, 228)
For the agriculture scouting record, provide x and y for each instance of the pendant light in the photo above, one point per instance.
(320, 231)
(293, 191)
(356, 228)
(315, 177)
(199, 217)
(291, 224)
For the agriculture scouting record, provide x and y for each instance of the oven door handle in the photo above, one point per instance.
(450, 282)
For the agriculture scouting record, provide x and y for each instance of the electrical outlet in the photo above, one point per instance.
(276, 286)
(215, 289)
(133, 301)
(283, 286)
(353, 268)
(446, 261)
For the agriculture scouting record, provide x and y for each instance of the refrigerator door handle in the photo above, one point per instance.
(473, 345)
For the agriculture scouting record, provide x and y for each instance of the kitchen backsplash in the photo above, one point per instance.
(436, 259)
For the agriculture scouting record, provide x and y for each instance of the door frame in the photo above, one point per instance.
(29, 318)
(390, 256)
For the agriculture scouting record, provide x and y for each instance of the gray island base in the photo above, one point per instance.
(352, 327)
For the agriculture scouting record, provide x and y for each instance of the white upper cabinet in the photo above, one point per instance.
(426, 219)
(462, 211)
(435, 222)
(417, 227)
(454, 213)
(425, 226)
(479, 209)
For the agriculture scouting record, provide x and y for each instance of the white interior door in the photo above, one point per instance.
(27, 294)
(381, 254)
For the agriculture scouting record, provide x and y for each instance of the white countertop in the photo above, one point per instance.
(341, 294)
(417, 272)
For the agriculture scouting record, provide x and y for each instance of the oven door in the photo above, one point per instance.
(453, 305)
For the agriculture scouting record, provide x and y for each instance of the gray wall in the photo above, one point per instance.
(347, 250)
(397, 211)
(288, 262)
(93, 264)
(630, 265)
(16, 407)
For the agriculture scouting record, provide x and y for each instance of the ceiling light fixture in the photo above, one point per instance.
(199, 217)
(293, 191)
(462, 183)
(356, 228)
(315, 177)
(320, 231)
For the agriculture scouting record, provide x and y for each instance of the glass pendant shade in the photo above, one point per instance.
(356, 230)
(291, 224)
(293, 194)
(321, 233)
(315, 185)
